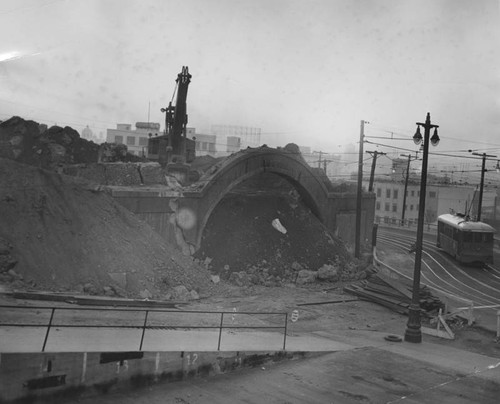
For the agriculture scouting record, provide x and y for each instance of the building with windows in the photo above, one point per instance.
(440, 199)
(205, 144)
(136, 139)
(249, 137)
(233, 144)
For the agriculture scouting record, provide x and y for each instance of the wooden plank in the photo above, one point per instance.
(400, 287)
(402, 309)
(328, 302)
(398, 302)
(436, 333)
(386, 291)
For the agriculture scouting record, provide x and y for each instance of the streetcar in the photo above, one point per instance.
(467, 241)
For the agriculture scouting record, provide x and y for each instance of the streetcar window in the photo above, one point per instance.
(467, 236)
(455, 234)
(440, 225)
(448, 231)
(488, 237)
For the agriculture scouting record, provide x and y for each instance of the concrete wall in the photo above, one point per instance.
(52, 377)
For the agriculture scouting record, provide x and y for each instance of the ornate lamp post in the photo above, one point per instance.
(413, 331)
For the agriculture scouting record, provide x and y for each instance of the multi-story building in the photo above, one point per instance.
(205, 144)
(249, 137)
(135, 140)
(440, 199)
(233, 144)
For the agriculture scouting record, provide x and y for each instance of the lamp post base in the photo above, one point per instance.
(413, 331)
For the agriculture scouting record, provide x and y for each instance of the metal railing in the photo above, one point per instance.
(146, 325)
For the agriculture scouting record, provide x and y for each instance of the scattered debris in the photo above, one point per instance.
(278, 226)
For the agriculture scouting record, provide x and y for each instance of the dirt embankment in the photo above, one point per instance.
(58, 233)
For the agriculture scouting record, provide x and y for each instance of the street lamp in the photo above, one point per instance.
(413, 331)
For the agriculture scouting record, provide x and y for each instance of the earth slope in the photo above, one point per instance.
(60, 233)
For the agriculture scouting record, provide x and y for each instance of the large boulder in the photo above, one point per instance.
(181, 293)
(240, 278)
(328, 273)
(305, 276)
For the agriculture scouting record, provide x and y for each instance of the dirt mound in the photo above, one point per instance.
(35, 144)
(58, 233)
(32, 143)
(240, 237)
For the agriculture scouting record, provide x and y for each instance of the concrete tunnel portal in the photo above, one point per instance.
(253, 170)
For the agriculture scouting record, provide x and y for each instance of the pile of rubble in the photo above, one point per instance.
(35, 144)
(243, 244)
(122, 174)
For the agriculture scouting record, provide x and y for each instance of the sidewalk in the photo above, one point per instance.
(30, 340)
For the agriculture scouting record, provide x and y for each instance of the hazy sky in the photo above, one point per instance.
(303, 71)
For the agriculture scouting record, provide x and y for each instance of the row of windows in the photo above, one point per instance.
(205, 146)
(395, 193)
(393, 220)
(387, 207)
(143, 141)
(467, 236)
(388, 193)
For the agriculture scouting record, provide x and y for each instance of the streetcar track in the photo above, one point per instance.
(448, 259)
(457, 286)
(449, 287)
(461, 271)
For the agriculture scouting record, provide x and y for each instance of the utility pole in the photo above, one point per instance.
(325, 164)
(406, 188)
(483, 169)
(374, 163)
(358, 200)
(320, 154)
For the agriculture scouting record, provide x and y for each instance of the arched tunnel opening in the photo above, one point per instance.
(240, 236)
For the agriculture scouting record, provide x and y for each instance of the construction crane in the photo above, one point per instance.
(173, 149)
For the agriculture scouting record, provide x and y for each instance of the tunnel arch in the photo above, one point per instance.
(241, 166)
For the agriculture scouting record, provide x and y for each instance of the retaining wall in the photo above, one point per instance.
(45, 377)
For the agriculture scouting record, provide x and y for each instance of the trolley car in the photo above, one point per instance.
(468, 242)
